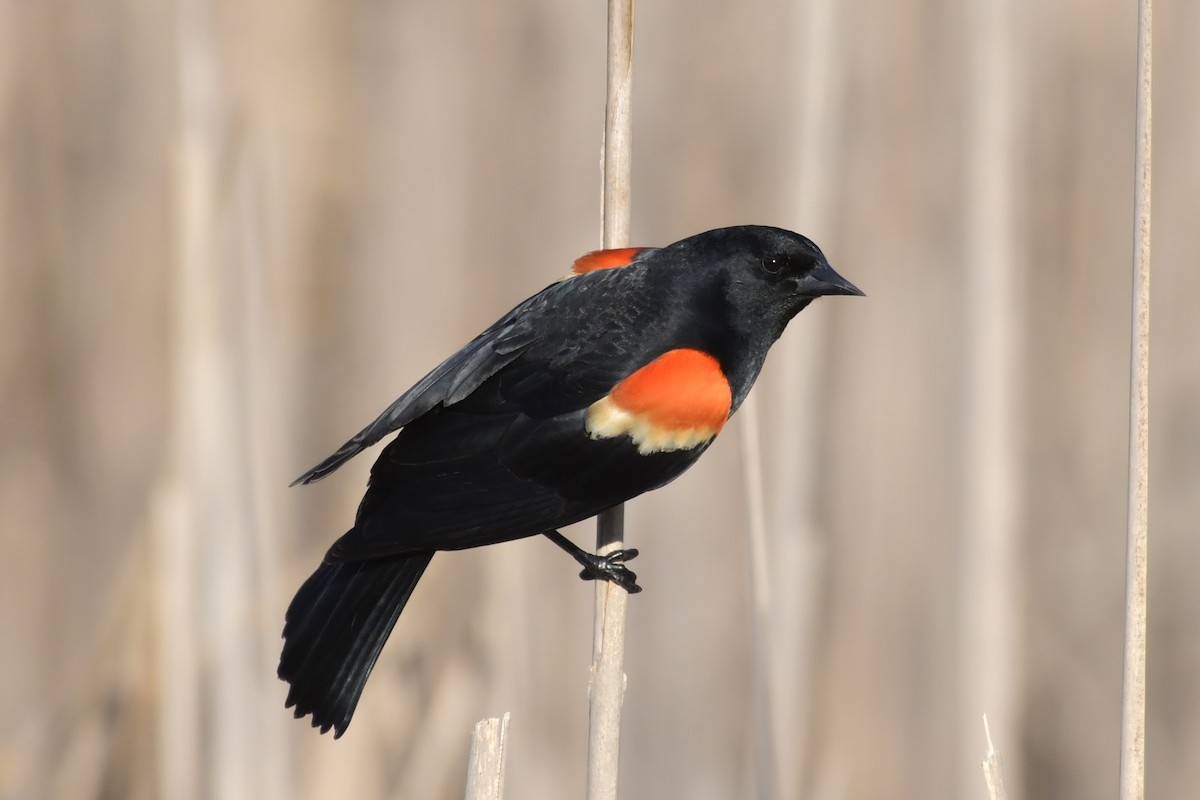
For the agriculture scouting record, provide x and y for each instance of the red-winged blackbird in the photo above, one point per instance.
(600, 387)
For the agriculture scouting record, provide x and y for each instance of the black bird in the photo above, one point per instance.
(600, 387)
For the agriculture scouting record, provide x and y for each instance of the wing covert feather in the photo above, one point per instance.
(560, 326)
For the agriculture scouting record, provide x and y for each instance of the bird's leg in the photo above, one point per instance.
(601, 568)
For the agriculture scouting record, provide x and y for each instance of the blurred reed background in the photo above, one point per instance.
(232, 232)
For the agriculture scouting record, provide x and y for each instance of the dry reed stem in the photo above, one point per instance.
(785, 541)
(213, 541)
(991, 487)
(993, 767)
(618, 127)
(485, 765)
(765, 743)
(1133, 692)
(606, 690)
(180, 702)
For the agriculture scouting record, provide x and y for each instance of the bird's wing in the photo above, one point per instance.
(562, 325)
(506, 462)
(452, 380)
(455, 479)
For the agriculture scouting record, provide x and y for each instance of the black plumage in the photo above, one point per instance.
(494, 443)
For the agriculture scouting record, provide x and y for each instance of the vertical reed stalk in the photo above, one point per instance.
(217, 731)
(607, 688)
(994, 321)
(993, 767)
(1133, 692)
(784, 541)
(179, 738)
(765, 744)
(486, 763)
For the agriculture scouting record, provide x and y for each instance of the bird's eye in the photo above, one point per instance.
(772, 265)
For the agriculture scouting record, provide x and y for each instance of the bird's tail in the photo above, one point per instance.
(334, 629)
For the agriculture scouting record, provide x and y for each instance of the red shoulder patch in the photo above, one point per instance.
(605, 259)
(678, 401)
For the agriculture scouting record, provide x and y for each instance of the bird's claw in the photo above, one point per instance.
(621, 556)
(612, 568)
(609, 567)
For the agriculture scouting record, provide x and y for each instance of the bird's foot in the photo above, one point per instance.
(609, 567)
(612, 568)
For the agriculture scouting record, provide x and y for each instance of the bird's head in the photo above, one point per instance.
(763, 275)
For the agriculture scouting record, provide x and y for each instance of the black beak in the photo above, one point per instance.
(824, 280)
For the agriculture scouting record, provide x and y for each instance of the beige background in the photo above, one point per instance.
(232, 232)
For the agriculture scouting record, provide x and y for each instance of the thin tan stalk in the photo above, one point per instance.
(993, 767)
(179, 741)
(785, 550)
(215, 731)
(485, 766)
(618, 126)
(607, 687)
(765, 745)
(991, 495)
(1133, 693)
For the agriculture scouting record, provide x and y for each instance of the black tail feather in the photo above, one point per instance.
(334, 630)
